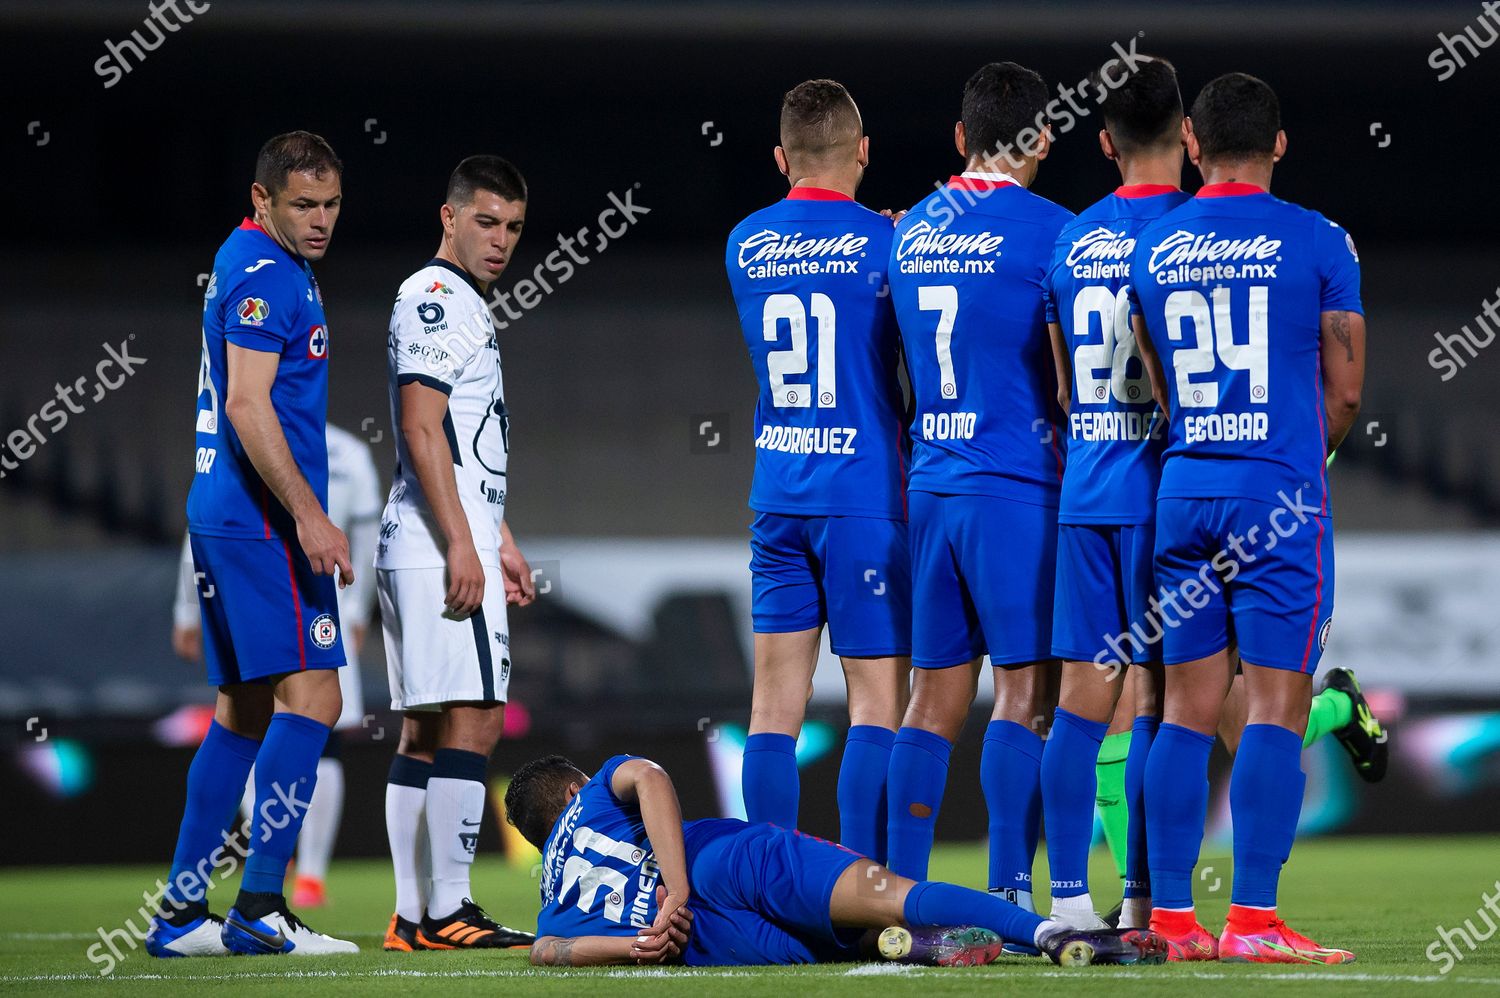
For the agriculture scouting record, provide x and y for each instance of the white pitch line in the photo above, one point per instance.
(1329, 976)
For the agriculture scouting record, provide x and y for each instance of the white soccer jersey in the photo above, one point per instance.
(443, 336)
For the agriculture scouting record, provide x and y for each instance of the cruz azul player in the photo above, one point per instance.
(354, 503)
(1106, 532)
(625, 880)
(828, 544)
(1251, 324)
(265, 554)
(446, 564)
(987, 460)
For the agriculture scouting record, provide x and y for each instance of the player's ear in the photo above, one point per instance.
(1190, 141)
(260, 198)
(784, 168)
(446, 215)
(864, 152)
(1107, 145)
(1279, 150)
(1044, 143)
(573, 789)
(960, 141)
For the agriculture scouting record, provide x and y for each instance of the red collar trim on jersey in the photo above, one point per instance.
(250, 223)
(1144, 190)
(962, 183)
(816, 194)
(1230, 189)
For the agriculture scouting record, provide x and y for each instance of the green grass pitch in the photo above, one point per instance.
(1383, 898)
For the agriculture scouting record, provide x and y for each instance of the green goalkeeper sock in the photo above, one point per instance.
(1331, 710)
(1109, 771)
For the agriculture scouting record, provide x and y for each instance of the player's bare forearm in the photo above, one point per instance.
(1152, 362)
(422, 411)
(1063, 364)
(1343, 359)
(651, 788)
(581, 951)
(250, 411)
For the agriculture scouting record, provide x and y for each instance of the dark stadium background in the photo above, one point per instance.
(111, 218)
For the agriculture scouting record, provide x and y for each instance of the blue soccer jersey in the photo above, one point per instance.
(259, 297)
(808, 280)
(1232, 285)
(1115, 431)
(966, 273)
(761, 893)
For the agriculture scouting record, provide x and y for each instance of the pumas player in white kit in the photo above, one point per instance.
(446, 563)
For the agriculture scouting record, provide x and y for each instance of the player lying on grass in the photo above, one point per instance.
(626, 880)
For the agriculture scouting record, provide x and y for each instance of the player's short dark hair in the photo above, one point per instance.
(1236, 116)
(1002, 100)
(818, 117)
(538, 793)
(485, 173)
(1145, 110)
(294, 152)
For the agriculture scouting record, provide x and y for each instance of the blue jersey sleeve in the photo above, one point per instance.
(1338, 269)
(1049, 295)
(606, 774)
(260, 310)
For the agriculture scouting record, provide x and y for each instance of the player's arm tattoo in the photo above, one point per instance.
(553, 951)
(1338, 324)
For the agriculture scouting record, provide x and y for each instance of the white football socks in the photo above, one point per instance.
(320, 826)
(455, 808)
(406, 827)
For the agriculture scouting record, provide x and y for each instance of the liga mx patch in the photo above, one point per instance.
(317, 343)
(324, 632)
(253, 311)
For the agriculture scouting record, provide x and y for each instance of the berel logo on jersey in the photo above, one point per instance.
(317, 343)
(253, 311)
(439, 288)
(431, 314)
(257, 265)
(324, 632)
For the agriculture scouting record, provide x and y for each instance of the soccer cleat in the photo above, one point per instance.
(1277, 943)
(401, 936)
(469, 928)
(934, 946)
(1085, 947)
(278, 932)
(1199, 944)
(1363, 737)
(308, 893)
(200, 937)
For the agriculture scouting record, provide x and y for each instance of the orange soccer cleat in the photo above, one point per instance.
(1186, 940)
(1257, 936)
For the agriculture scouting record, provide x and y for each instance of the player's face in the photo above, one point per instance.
(301, 215)
(484, 233)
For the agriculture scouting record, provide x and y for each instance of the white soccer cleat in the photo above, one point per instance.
(279, 932)
(201, 939)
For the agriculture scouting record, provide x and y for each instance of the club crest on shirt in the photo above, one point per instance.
(317, 343)
(324, 632)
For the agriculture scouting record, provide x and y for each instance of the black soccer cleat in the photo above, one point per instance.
(1112, 917)
(401, 936)
(939, 946)
(1085, 947)
(1366, 741)
(469, 928)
